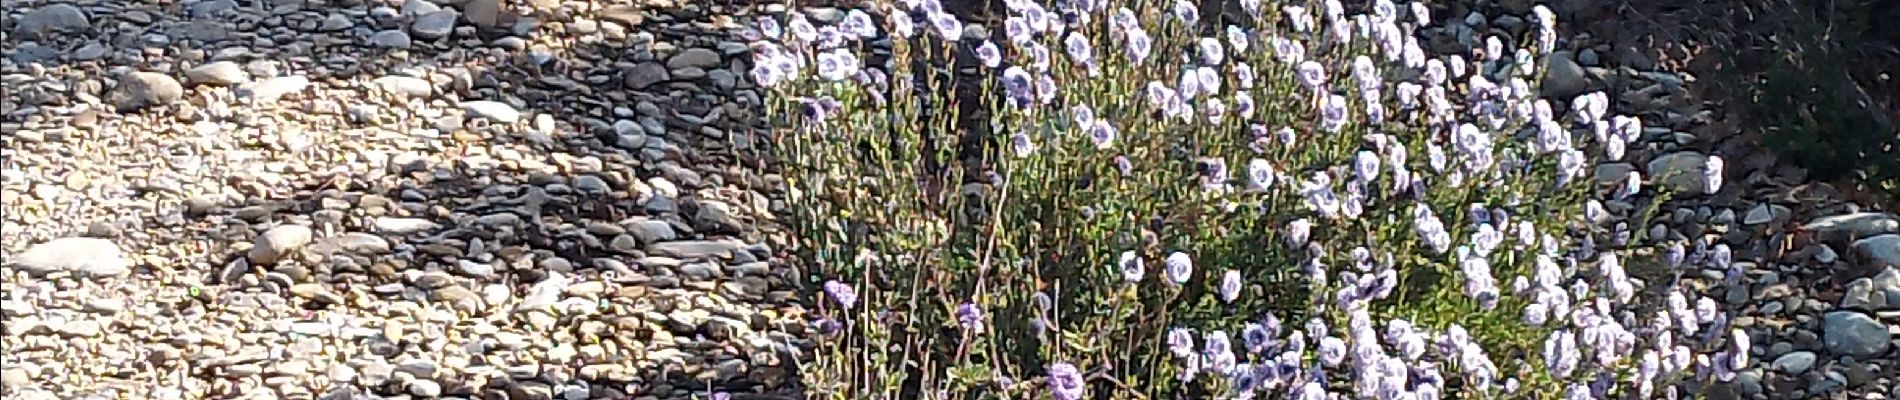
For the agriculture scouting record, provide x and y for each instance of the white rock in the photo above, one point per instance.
(270, 90)
(224, 73)
(495, 110)
(278, 242)
(80, 256)
(402, 226)
(407, 86)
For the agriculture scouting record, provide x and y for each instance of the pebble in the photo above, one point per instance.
(394, 39)
(1879, 251)
(1681, 172)
(1563, 78)
(434, 24)
(1795, 363)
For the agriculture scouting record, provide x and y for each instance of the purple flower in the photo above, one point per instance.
(1102, 134)
(842, 293)
(1181, 342)
(1065, 381)
(1256, 337)
(1124, 166)
(1332, 351)
(1018, 30)
(970, 316)
(989, 54)
(1259, 174)
(1298, 18)
(1131, 267)
(1243, 105)
(1332, 111)
(769, 27)
(1078, 48)
(1180, 267)
(1139, 45)
(1288, 50)
(802, 29)
(1312, 75)
(1187, 12)
(1020, 145)
(1230, 286)
(858, 23)
(1211, 51)
(1560, 354)
(947, 26)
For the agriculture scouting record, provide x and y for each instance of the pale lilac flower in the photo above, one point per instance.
(1591, 107)
(1259, 174)
(857, 23)
(1298, 18)
(1181, 342)
(1243, 104)
(1208, 80)
(1018, 30)
(1138, 46)
(1180, 267)
(1211, 52)
(1102, 134)
(1286, 135)
(1079, 48)
(1312, 75)
(802, 28)
(1122, 164)
(1039, 57)
(1065, 381)
(1230, 286)
(842, 293)
(1124, 19)
(1021, 145)
(1237, 38)
(988, 54)
(970, 316)
(947, 26)
(1332, 350)
(1243, 75)
(1256, 337)
(1332, 111)
(1560, 354)
(1131, 267)
(1252, 7)
(1187, 12)
(1045, 88)
(903, 26)
(1018, 85)
(1288, 50)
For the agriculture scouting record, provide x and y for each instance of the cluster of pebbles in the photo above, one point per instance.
(388, 199)
(556, 199)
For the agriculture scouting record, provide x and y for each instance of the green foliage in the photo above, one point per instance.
(1809, 101)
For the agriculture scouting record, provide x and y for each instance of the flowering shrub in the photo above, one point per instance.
(1311, 206)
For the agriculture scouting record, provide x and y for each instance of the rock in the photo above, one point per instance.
(1879, 251)
(269, 90)
(315, 292)
(1795, 363)
(79, 256)
(697, 57)
(494, 110)
(407, 86)
(1563, 78)
(278, 242)
(401, 226)
(139, 90)
(52, 18)
(425, 388)
(434, 24)
(394, 39)
(1681, 172)
(628, 16)
(1853, 333)
(1856, 225)
(696, 249)
(643, 75)
(715, 217)
(222, 73)
(352, 243)
(483, 13)
(1765, 213)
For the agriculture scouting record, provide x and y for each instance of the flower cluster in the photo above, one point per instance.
(1386, 198)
